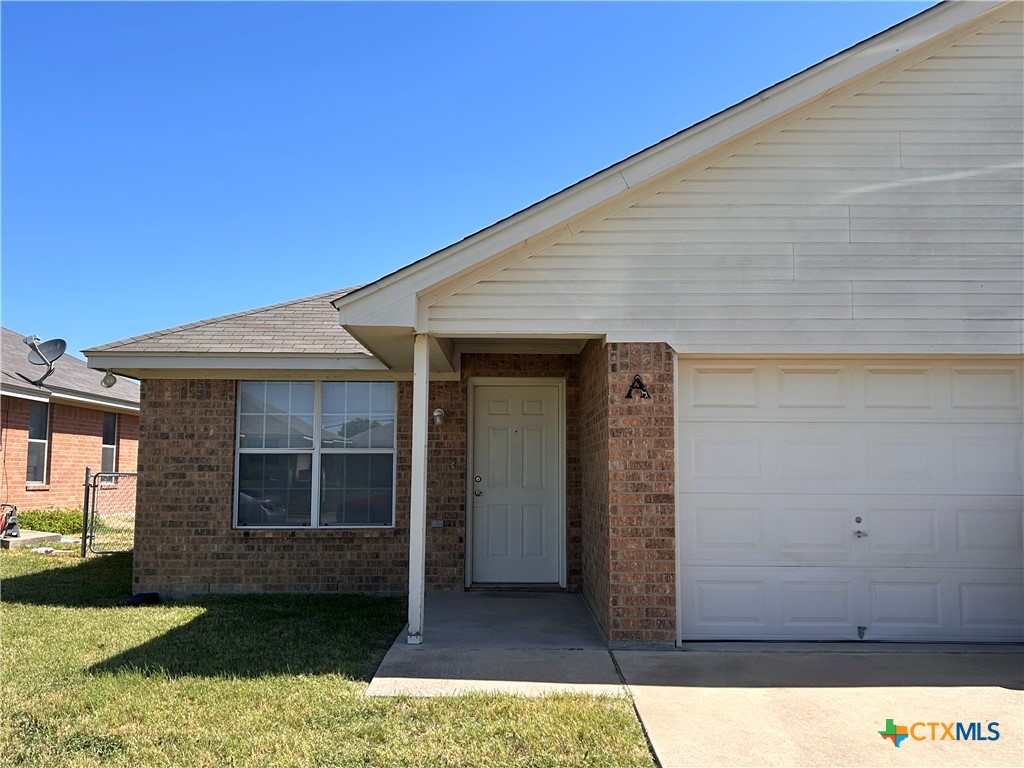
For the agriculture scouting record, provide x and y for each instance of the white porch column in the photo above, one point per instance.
(418, 492)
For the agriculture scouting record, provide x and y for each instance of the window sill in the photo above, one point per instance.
(307, 531)
(36, 487)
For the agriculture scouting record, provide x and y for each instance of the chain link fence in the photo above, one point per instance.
(108, 520)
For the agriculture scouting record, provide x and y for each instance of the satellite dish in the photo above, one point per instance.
(46, 354)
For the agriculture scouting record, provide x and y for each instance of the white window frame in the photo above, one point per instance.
(45, 443)
(104, 446)
(315, 453)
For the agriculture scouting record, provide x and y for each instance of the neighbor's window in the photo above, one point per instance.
(38, 431)
(316, 454)
(108, 461)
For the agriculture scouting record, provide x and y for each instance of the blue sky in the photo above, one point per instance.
(167, 162)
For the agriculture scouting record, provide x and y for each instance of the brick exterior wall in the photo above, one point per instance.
(619, 494)
(641, 494)
(185, 540)
(185, 543)
(75, 442)
(594, 477)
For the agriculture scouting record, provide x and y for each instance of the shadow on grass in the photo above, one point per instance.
(99, 581)
(261, 635)
(241, 636)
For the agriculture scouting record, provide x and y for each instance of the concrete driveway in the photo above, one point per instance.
(825, 709)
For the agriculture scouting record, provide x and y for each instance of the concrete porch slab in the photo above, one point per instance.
(29, 539)
(523, 643)
(509, 620)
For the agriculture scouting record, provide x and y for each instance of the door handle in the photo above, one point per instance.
(860, 534)
(478, 492)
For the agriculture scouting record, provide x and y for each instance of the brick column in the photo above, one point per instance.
(641, 495)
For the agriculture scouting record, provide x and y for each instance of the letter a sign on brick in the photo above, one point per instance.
(637, 386)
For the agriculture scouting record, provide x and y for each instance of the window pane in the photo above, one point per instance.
(275, 434)
(383, 433)
(253, 397)
(358, 414)
(36, 462)
(383, 397)
(38, 415)
(250, 432)
(109, 429)
(109, 454)
(278, 396)
(276, 414)
(300, 433)
(356, 489)
(357, 399)
(274, 489)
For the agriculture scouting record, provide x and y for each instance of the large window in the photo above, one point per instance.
(38, 441)
(316, 454)
(108, 462)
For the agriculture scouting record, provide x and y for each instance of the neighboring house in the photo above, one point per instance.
(52, 432)
(819, 288)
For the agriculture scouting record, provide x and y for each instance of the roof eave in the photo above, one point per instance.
(131, 363)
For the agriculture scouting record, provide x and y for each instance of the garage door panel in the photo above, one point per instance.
(819, 604)
(989, 530)
(980, 391)
(769, 603)
(793, 603)
(991, 605)
(819, 529)
(846, 458)
(825, 499)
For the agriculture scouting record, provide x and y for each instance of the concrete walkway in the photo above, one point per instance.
(528, 644)
(727, 704)
(824, 708)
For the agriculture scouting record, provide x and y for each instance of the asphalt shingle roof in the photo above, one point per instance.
(70, 374)
(307, 326)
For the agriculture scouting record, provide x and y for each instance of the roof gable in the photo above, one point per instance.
(400, 299)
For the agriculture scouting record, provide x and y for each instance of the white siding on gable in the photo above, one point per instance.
(890, 222)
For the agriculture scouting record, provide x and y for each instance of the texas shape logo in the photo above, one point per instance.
(895, 733)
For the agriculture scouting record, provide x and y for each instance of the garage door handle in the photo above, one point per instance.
(860, 534)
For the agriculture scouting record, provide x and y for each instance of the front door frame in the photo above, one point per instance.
(515, 381)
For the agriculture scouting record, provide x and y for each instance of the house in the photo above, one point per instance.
(53, 431)
(762, 380)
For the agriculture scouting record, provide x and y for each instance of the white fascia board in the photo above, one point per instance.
(94, 402)
(39, 397)
(918, 37)
(125, 362)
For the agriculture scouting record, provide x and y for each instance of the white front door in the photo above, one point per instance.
(516, 484)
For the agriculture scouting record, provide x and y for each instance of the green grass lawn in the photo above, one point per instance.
(250, 681)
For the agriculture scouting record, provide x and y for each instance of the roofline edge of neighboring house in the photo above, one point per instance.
(58, 396)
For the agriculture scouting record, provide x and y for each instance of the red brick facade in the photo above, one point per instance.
(185, 543)
(619, 494)
(75, 442)
(641, 493)
(594, 465)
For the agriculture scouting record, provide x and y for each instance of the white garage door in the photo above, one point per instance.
(841, 499)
